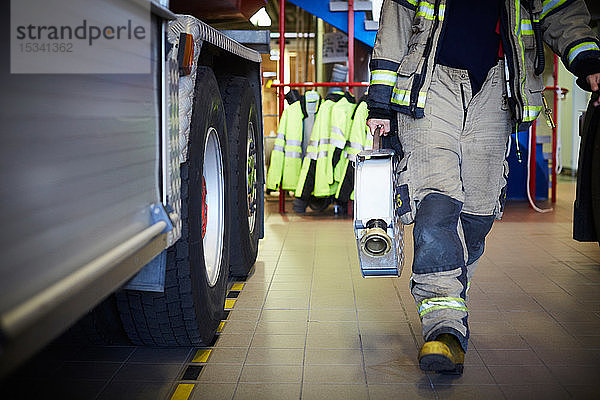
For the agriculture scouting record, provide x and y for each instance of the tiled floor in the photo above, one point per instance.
(306, 325)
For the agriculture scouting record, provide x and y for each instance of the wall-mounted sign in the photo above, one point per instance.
(335, 47)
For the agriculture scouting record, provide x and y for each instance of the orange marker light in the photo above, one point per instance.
(185, 54)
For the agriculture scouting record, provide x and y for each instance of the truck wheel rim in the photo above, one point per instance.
(251, 177)
(213, 207)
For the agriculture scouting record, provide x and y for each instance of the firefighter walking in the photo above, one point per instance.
(459, 76)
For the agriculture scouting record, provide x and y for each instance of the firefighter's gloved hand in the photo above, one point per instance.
(383, 124)
(594, 82)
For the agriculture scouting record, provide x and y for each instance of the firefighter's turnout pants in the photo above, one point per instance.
(455, 170)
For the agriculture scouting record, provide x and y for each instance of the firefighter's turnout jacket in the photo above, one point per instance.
(401, 73)
(286, 157)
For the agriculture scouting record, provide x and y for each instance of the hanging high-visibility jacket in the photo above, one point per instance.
(286, 157)
(318, 140)
(329, 154)
(359, 139)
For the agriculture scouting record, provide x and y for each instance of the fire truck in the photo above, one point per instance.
(136, 195)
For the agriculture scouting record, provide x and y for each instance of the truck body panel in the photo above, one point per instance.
(65, 205)
(90, 178)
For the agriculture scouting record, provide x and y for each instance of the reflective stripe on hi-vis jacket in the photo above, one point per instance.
(441, 303)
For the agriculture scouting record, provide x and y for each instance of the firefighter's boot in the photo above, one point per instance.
(444, 355)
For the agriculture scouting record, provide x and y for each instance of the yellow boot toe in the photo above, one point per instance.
(443, 355)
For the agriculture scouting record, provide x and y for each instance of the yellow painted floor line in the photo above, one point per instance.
(221, 327)
(238, 286)
(202, 356)
(183, 391)
(229, 303)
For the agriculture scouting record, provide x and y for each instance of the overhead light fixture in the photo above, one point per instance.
(261, 18)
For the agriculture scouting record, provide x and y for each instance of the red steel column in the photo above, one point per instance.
(350, 42)
(532, 164)
(281, 79)
(557, 121)
(350, 64)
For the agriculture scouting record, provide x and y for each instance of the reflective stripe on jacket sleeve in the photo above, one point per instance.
(565, 28)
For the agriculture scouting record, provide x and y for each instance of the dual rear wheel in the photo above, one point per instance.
(220, 203)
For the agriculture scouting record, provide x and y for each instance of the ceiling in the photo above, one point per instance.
(294, 13)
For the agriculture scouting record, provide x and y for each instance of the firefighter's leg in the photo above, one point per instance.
(474, 228)
(433, 173)
(439, 273)
(439, 279)
(450, 227)
(484, 169)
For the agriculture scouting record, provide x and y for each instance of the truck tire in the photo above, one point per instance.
(191, 307)
(242, 125)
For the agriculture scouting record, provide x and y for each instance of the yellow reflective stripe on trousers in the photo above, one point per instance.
(402, 97)
(440, 303)
(549, 5)
(580, 48)
(383, 77)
